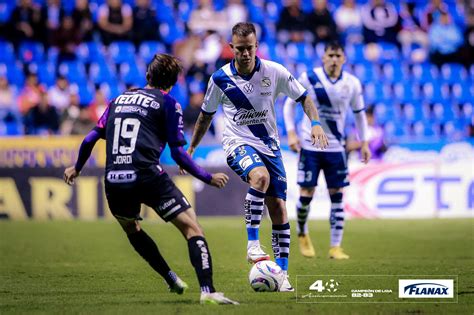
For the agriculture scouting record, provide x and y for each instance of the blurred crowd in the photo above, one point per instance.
(62, 61)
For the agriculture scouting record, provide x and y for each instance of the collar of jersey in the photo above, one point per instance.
(329, 79)
(246, 77)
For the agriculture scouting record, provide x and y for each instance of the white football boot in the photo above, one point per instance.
(286, 286)
(216, 298)
(256, 254)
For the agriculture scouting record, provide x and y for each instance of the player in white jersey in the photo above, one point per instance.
(334, 91)
(247, 88)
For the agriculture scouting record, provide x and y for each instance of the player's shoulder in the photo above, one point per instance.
(221, 73)
(272, 65)
(351, 78)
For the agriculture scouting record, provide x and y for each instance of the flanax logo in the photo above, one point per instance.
(425, 288)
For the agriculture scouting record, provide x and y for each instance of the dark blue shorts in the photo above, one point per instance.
(245, 158)
(333, 164)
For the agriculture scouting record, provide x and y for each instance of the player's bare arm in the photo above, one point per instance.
(200, 128)
(317, 133)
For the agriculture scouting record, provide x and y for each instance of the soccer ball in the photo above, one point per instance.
(266, 276)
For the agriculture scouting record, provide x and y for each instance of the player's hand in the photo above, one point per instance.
(319, 137)
(190, 151)
(293, 141)
(365, 153)
(219, 180)
(70, 175)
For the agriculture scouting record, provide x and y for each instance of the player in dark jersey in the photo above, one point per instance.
(137, 125)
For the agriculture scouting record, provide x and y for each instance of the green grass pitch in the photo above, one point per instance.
(90, 268)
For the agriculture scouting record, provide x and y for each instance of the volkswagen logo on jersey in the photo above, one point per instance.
(248, 88)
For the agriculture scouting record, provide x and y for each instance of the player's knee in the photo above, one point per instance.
(260, 180)
(307, 191)
(129, 226)
(193, 230)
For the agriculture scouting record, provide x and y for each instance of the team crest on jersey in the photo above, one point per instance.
(248, 88)
(266, 82)
(178, 108)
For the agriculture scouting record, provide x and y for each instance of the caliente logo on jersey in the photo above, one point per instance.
(250, 117)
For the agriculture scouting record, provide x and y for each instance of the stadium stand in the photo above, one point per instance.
(412, 97)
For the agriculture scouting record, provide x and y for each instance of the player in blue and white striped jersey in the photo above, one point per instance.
(334, 91)
(247, 88)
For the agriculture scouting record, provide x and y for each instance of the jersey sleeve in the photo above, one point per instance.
(213, 98)
(174, 123)
(102, 122)
(358, 108)
(288, 85)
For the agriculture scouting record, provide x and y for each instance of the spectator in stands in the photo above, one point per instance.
(468, 49)
(412, 32)
(59, 94)
(433, 12)
(69, 115)
(291, 25)
(7, 101)
(445, 40)
(98, 105)
(115, 21)
(320, 23)
(42, 119)
(76, 119)
(25, 23)
(83, 21)
(204, 18)
(235, 12)
(380, 22)
(349, 22)
(30, 94)
(191, 112)
(145, 25)
(66, 38)
(51, 16)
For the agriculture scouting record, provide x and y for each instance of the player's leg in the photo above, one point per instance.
(148, 250)
(200, 256)
(172, 206)
(246, 162)
(308, 172)
(336, 174)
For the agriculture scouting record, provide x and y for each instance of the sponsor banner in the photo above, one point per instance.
(376, 289)
(40, 193)
(32, 152)
(426, 288)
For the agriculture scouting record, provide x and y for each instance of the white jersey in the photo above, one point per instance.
(248, 103)
(332, 99)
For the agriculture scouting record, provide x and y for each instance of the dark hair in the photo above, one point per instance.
(334, 45)
(243, 29)
(163, 70)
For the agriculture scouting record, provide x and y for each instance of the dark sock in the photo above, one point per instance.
(147, 248)
(201, 260)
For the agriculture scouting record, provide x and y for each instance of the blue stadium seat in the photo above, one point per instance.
(46, 72)
(355, 53)
(407, 91)
(463, 91)
(394, 71)
(412, 112)
(74, 71)
(376, 92)
(384, 112)
(454, 129)
(131, 74)
(90, 52)
(6, 8)
(86, 93)
(100, 72)
(184, 10)
(31, 52)
(424, 128)
(274, 51)
(465, 111)
(8, 53)
(111, 89)
(14, 73)
(441, 112)
(148, 49)
(394, 130)
(180, 93)
(300, 52)
(122, 51)
(435, 91)
(366, 72)
(425, 72)
(172, 31)
(273, 8)
(389, 52)
(453, 72)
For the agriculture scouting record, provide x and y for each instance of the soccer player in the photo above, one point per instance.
(247, 88)
(137, 125)
(334, 91)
